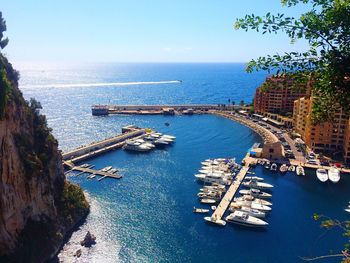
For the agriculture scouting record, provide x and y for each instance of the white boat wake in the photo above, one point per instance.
(103, 84)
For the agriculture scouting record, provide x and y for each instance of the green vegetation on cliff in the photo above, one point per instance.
(44, 207)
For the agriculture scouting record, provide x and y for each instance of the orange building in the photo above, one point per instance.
(277, 95)
(332, 137)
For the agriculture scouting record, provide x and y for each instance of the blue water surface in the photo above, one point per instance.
(147, 215)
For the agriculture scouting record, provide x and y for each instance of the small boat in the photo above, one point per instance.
(257, 185)
(243, 218)
(347, 210)
(136, 146)
(249, 198)
(92, 176)
(284, 168)
(251, 211)
(200, 210)
(254, 178)
(169, 137)
(85, 165)
(291, 168)
(213, 207)
(273, 167)
(219, 222)
(264, 208)
(106, 169)
(322, 175)
(267, 165)
(208, 201)
(300, 170)
(255, 193)
(161, 142)
(334, 175)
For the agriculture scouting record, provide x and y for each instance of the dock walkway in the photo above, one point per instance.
(91, 171)
(225, 202)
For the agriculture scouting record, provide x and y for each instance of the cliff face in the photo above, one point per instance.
(37, 205)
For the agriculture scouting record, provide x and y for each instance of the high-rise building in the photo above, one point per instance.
(277, 95)
(331, 137)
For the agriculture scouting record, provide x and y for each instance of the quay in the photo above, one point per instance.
(188, 109)
(91, 171)
(216, 217)
(98, 148)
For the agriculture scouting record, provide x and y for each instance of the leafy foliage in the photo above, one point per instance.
(4, 90)
(329, 223)
(73, 204)
(326, 27)
(3, 41)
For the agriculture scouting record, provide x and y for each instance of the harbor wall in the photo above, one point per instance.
(97, 147)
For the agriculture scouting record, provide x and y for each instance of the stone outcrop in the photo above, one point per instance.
(38, 207)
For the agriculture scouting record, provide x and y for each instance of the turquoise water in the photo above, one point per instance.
(147, 215)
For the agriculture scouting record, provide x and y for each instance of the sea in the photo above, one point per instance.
(147, 215)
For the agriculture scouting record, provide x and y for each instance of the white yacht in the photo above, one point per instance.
(200, 210)
(273, 167)
(322, 175)
(257, 185)
(148, 144)
(243, 218)
(250, 211)
(219, 222)
(254, 178)
(334, 175)
(161, 142)
(284, 168)
(291, 168)
(169, 136)
(300, 170)
(212, 178)
(136, 146)
(208, 201)
(253, 205)
(250, 199)
(255, 193)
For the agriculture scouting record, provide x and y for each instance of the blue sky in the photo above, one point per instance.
(138, 30)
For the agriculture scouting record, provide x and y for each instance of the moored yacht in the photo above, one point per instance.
(255, 193)
(273, 167)
(334, 175)
(243, 218)
(257, 185)
(322, 175)
(136, 146)
(250, 211)
(284, 168)
(300, 170)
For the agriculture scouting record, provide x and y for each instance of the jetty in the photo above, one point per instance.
(189, 109)
(91, 171)
(216, 217)
(97, 148)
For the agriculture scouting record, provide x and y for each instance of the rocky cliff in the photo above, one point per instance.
(38, 207)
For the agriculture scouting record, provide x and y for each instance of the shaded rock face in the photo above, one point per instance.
(31, 180)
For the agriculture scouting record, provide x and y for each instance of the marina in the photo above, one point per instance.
(163, 209)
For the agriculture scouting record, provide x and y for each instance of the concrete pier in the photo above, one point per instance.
(91, 171)
(226, 200)
(98, 110)
(98, 148)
